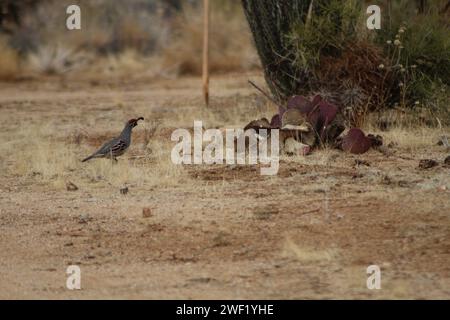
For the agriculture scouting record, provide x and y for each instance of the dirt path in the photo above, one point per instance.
(214, 231)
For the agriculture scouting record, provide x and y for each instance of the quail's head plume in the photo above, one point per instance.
(117, 146)
(134, 122)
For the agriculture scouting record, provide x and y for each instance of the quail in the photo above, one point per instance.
(117, 146)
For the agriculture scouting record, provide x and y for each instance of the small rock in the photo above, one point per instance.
(357, 176)
(427, 164)
(386, 180)
(124, 190)
(202, 280)
(220, 240)
(447, 161)
(264, 213)
(403, 184)
(386, 151)
(359, 162)
(443, 141)
(84, 218)
(71, 186)
(377, 140)
(392, 145)
(147, 212)
(293, 147)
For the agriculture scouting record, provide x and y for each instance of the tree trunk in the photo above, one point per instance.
(447, 6)
(421, 6)
(270, 22)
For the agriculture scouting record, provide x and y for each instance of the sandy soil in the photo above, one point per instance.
(215, 232)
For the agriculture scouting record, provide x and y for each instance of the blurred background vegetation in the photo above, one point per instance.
(405, 65)
(161, 37)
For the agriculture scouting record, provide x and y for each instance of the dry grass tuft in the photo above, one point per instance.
(306, 254)
(37, 154)
(56, 59)
(413, 140)
(405, 130)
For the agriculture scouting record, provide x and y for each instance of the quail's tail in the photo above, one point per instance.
(89, 158)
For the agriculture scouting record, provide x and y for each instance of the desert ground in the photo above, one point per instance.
(208, 232)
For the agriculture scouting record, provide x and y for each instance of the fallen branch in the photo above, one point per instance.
(265, 94)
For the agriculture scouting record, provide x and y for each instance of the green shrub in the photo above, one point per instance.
(407, 64)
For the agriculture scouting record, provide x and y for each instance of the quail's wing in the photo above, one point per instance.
(106, 148)
(119, 147)
(113, 146)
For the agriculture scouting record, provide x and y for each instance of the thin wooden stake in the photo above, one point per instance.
(206, 52)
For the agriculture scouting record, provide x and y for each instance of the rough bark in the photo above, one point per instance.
(270, 22)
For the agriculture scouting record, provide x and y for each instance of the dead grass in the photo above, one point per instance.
(413, 139)
(405, 130)
(159, 172)
(41, 155)
(307, 254)
(37, 154)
